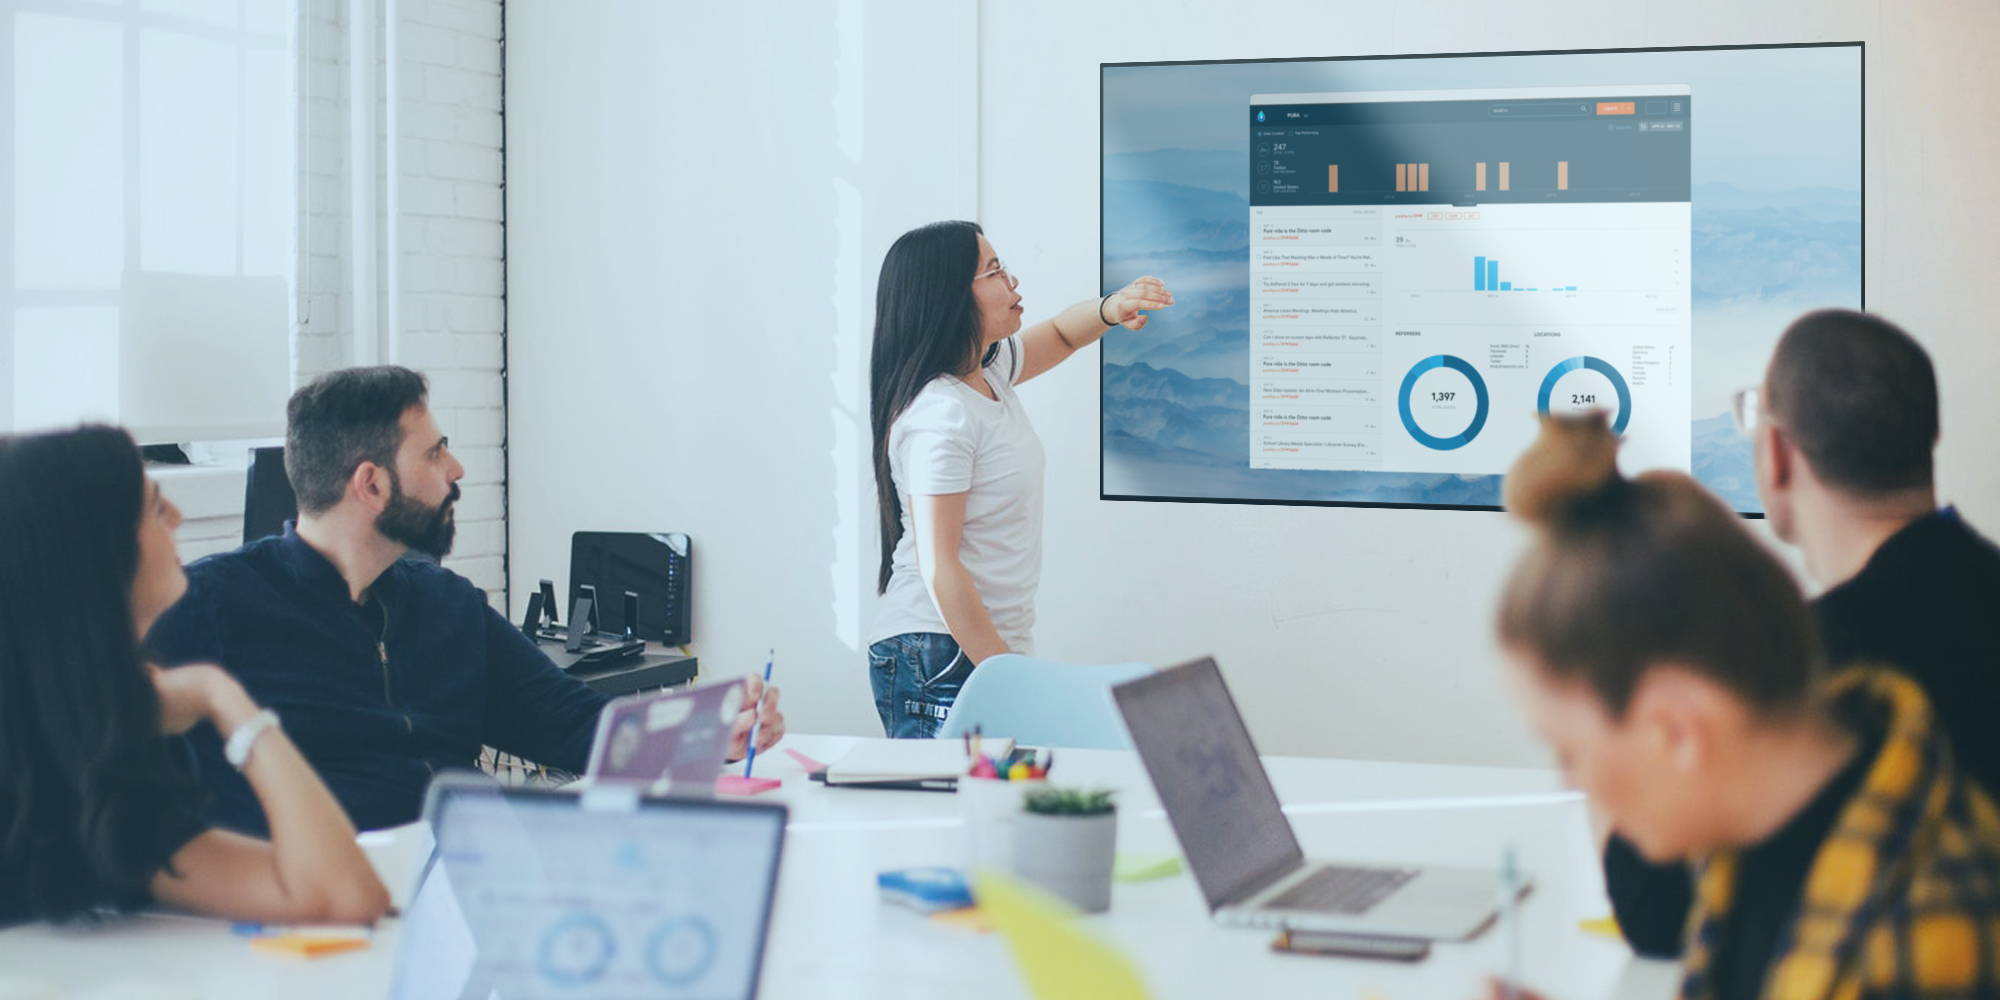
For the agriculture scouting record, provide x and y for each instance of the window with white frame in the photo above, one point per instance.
(150, 205)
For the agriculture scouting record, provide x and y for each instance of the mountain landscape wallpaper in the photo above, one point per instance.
(1777, 230)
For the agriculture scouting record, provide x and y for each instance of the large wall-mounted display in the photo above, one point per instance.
(1386, 268)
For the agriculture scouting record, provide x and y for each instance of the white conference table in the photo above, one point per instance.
(833, 937)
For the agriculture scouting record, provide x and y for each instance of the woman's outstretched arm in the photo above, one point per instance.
(1051, 342)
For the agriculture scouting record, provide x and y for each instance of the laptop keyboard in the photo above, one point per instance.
(1341, 890)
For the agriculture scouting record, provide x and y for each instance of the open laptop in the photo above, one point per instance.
(1239, 845)
(666, 742)
(545, 893)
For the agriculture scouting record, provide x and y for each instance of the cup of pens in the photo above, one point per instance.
(989, 797)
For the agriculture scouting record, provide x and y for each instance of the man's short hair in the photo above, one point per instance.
(341, 420)
(1858, 397)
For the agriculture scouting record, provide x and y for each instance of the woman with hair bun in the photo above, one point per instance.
(1671, 664)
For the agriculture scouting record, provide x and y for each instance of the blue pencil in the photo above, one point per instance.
(750, 758)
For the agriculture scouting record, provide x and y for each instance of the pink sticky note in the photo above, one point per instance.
(736, 784)
(806, 762)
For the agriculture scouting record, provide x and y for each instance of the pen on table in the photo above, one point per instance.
(750, 758)
(328, 931)
(1510, 888)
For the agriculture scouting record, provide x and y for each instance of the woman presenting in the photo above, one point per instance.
(958, 468)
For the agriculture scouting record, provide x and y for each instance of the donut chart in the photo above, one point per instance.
(576, 950)
(1463, 367)
(1555, 375)
(681, 951)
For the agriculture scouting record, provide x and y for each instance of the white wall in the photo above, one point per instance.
(452, 315)
(1366, 633)
(698, 198)
(1361, 633)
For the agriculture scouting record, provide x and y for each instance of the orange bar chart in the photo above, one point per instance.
(1332, 177)
(1503, 176)
(1480, 182)
(1562, 175)
(1423, 177)
(1400, 185)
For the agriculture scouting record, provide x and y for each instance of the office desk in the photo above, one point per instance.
(652, 669)
(833, 938)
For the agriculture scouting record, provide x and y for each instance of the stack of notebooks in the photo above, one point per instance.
(927, 765)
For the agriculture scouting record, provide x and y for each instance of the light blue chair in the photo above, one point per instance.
(1040, 703)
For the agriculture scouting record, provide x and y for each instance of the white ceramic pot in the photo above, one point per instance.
(989, 808)
(1070, 856)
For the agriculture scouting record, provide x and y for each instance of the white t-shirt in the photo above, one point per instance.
(952, 439)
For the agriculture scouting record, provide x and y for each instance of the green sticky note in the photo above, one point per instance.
(1144, 867)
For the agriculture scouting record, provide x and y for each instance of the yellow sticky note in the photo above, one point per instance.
(1606, 926)
(1059, 961)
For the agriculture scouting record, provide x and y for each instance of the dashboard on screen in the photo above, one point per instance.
(1386, 268)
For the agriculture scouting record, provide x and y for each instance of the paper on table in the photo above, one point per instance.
(806, 762)
(1144, 867)
(398, 855)
(907, 760)
(736, 784)
(1059, 961)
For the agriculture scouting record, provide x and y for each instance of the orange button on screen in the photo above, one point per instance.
(1615, 108)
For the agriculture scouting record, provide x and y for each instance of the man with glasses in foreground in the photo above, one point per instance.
(1843, 428)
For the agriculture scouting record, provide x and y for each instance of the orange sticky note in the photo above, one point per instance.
(307, 945)
(965, 918)
(736, 784)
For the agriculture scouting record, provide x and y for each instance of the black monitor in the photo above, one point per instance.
(653, 565)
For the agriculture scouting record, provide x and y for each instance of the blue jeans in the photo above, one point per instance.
(916, 677)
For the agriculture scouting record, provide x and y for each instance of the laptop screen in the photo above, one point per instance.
(666, 741)
(535, 893)
(1218, 798)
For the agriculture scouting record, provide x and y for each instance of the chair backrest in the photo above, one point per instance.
(1042, 703)
(268, 501)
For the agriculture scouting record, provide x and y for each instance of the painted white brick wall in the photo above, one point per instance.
(453, 309)
(453, 257)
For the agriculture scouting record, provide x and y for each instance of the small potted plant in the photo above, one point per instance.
(1065, 841)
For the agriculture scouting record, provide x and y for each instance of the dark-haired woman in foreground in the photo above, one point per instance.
(1671, 664)
(958, 467)
(98, 805)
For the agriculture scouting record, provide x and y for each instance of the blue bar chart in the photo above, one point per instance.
(1486, 278)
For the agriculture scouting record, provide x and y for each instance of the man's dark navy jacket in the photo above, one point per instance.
(378, 699)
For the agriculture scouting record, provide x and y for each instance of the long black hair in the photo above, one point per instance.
(926, 325)
(91, 802)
